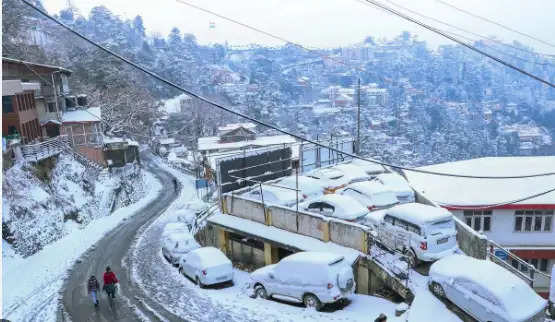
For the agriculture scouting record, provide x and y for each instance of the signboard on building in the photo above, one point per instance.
(248, 168)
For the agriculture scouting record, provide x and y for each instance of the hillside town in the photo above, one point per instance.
(385, 179)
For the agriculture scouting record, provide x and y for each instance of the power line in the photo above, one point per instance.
(495, 23)
(443, 204)
(254, 120)
(474, 34)
(469, 46)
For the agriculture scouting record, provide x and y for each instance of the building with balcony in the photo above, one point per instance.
(52, 96)
(19, 112)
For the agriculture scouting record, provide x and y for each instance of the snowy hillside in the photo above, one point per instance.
(42, 204)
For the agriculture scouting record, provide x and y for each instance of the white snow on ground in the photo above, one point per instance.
(182, 297)
(31, 285)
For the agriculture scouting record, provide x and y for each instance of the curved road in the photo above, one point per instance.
(130, 303)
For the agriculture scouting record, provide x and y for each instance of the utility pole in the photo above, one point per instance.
(358, 116)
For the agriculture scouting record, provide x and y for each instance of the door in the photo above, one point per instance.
(386, 232)
(461, 295)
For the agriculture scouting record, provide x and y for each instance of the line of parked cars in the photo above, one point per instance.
(312, 278)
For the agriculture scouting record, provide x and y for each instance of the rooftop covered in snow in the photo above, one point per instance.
(212, 142)
(454, 191)
(92, 114)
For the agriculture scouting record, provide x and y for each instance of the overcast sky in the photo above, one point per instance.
(329, 23)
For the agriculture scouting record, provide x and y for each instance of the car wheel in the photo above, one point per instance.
(437, 289)
(260, 291)
(312, 302)
(411, 256)
(199, 283)
(181, 270)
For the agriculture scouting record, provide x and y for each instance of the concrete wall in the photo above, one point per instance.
(470, 242)
(246, 254)
(348, 235)
(92, 153)
(284, 218)
(244, 208)
(312, 226)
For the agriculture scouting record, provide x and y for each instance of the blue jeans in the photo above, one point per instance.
(93, 296)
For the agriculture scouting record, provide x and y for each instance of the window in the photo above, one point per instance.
(479, 220)
(534, 262)
(533, 220)
(388, 219)
(7, 105)
(51, 107)
(543, 265)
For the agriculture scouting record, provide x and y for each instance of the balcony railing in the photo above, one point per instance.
(40, 151)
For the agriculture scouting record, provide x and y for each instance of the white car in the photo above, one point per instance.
(309, 187)
(313, 278)
(206, 266)
(399, 185)
(174, 227)
(371, 194)
(369, 167)
(485, 290)
(274, 195)
(331, 178)
(352, 172)
(422, 232)
(336, 206)
(176, 245)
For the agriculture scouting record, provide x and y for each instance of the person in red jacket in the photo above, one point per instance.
(110, 281)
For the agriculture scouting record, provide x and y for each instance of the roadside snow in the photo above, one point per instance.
(30, 285)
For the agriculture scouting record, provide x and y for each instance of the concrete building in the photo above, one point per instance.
(490, 206)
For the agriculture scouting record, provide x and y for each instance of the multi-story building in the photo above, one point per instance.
(511, 212)
(52, 97)
(19, 112)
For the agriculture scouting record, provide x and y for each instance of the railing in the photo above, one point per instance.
(40, 151)
(530, 274)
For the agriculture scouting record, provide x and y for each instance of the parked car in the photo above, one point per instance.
(174, 227)
(422, 232)
(206, 266)
(337, 206)
(371, 194)
(399, 185)
(310, 187)
(313, 278)
(331, 178)
(274, 195)
(485, 290)
(370, 168)
(352, 172)
(176, 245)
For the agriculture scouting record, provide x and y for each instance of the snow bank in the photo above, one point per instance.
(34, 212)
(34, 296)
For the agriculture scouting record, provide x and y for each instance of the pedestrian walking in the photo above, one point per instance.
(92, 288)
(381, 318)
(110, 281)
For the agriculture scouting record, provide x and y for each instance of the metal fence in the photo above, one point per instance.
(40, 151)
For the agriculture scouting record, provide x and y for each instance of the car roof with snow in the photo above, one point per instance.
(369, 187)
(326, 173)
(419, 213)
(177, 236)
(394, 181)
(305, 183)
(516, 296)
(368, 167)
(210, 256)
(345, 207)
(352, 171)
(321, 258)
(273, 194)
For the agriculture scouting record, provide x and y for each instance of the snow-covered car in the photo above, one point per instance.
(422, 232)
(206, 266)
(485, 290)
(352, 172)
(337, 206)
(371, 194)
(397, 184)
(313, 278)
(174, 227)
(369, 167)
(274, 195)
(176, 245)
(309, 187)
(331, 178)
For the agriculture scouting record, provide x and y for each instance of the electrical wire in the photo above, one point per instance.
(259, 122)
(474, 34)
(447, 205)
(495, 23)
(469, 46)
